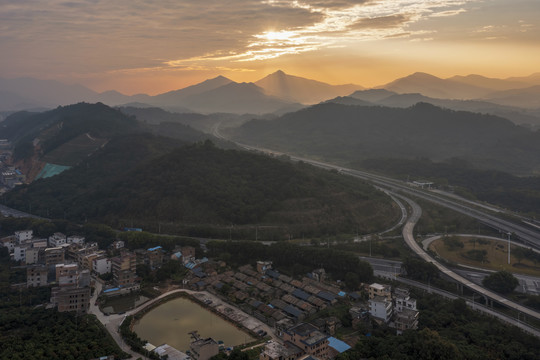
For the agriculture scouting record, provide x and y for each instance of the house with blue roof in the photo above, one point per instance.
(327, 296)
(302, 295)
(337, 346)
(294, 312)
(154, 257)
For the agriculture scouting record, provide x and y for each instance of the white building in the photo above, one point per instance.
(75, 239)
(380, 308)
(403, 300)
(23, 236)
(118, 244)
(57, 239)
(101, 265)
(19, 252)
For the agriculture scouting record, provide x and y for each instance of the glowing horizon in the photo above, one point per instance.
(135, 46)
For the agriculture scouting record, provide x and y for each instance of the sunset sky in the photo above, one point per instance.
(143, 46)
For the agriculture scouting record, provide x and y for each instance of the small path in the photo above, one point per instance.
(111, 323)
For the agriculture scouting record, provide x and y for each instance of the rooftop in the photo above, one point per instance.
(338, 345)
(377, 286)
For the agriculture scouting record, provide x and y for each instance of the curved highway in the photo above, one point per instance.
(409, 239)
(528, 235)
(531, 237)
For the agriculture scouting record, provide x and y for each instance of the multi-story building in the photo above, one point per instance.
(203, 349)
(67, 274)
(308, 338)
(276, 351)
(32, 255)
(124, 267)
(406, 319)
(39, 243)
(57, 239)
(155, 257)
(87, 261)
(23, 235)
(36, 275)
(102, 265)
(188, 254)
(378, 290)
(75, 239)
(71, 298)
(9, 242)
(54, 256)
(406, 315)
(403, 300)
(381, 308)
(118, 244)
(19, 252)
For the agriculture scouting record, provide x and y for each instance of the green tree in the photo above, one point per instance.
(502, 282)
(420, 270)
(352, 281)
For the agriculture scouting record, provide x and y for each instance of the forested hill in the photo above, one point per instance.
(67, 135)
(201, 186)
(352, 133)
(58, 127)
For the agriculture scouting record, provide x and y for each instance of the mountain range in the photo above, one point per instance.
(276, 93)
(350, 133)
(392, 99)
(117, 167)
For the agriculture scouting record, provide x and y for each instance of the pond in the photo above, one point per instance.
(172, 321)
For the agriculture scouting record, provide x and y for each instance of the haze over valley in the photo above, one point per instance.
(336, 179)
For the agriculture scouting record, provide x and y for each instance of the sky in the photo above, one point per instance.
(149, 46)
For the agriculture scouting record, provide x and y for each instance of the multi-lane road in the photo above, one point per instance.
(401, 189)
(411, 242)
(526, 234)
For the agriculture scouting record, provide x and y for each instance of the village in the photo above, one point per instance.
(291, 308)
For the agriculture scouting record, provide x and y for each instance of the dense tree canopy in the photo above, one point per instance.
(354, 133)
(502, 282)
(285, 255)
(204, 191)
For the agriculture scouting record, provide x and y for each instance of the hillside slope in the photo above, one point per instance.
(135, 181)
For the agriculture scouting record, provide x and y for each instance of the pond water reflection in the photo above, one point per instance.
(172, 321)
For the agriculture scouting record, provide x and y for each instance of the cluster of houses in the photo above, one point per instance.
(280, 301)
(397, 309)
(10, 176)
(285, 303)
(268, 295)
(68, 262)
(48, 262)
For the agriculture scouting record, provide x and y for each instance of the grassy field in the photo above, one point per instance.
(484, 253)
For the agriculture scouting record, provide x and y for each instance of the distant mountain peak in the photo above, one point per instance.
(220, 77)
(422, 75)
(299, 89)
